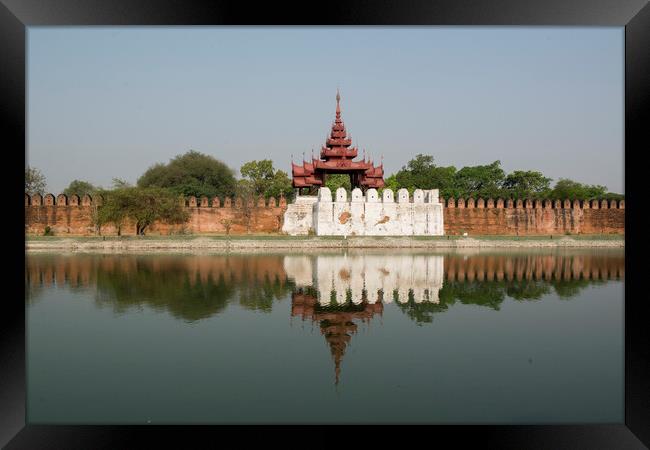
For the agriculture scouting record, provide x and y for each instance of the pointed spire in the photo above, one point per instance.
(338, 106)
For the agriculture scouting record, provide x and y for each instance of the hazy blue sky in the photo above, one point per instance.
(110, 102)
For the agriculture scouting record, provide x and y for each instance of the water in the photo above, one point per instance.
(362, 337)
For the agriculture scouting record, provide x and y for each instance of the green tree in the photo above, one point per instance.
(566, 188)
(392, 183)
(143, 206)
(120, 183)
(192, 173)
(480, 181)
(262, 179)
(421, 173)
(527, 184)
(280, 185)
(259, 174)
(34, 181)
(80, 188)
(338, 180)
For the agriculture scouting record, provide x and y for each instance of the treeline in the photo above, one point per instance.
(158, 193)
(486, 181)
(490, 181)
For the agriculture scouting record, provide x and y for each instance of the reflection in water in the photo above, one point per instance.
(197, 287)
(336, 324)
(188, 287)
(372, 345)
(337, 291)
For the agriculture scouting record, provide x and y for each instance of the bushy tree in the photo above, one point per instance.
(192, 173)
(527, 184)
(566, 188)
(34, 181)
(80, 188)
(262, 179)
(143, 206)
(422, 173)
(338, 180)
(480, 181)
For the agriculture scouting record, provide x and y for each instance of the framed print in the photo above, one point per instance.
(361, 214)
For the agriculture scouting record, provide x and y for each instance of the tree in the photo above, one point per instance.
(34, 181)
(120, 183)
(246, 191)
(192, 173)
(258, 173)
(262, 179)
(483, 181)
(80, 188)
(338, 180)
(525, 184)
(280, 185)
(392, 183)
(422, 173)
(143, 206)
(113, 209)
(569, 189)
(489, 181)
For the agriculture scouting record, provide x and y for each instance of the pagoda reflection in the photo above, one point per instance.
(337, 322)
(339, 291)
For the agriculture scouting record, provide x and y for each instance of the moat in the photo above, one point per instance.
(327, 336)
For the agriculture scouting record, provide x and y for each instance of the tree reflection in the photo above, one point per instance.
(172, 291)
(190, 288)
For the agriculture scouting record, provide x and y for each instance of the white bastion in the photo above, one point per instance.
(369, 215)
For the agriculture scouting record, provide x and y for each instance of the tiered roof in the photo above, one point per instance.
(337, 156)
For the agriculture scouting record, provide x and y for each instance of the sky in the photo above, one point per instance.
(106, 102)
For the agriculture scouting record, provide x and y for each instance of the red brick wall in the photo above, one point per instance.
(72, 216)
(533, 217)
(65, 218)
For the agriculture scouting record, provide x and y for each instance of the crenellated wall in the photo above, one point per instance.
(73, 216)
(533, 217)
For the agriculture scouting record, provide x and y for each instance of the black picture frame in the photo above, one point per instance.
(634, 15)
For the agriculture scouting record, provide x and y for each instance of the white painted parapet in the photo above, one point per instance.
(370, 216)
(298, 218)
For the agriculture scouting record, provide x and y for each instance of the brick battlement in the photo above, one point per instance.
(72, 215)
(531, 204)
(190, 202)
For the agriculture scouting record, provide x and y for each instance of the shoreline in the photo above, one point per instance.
(262, 243)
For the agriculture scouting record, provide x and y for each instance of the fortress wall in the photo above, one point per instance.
(533, 217)
(73, 216)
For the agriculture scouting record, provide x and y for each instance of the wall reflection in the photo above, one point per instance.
(368, 278)
(339, 292)
(359, 278)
